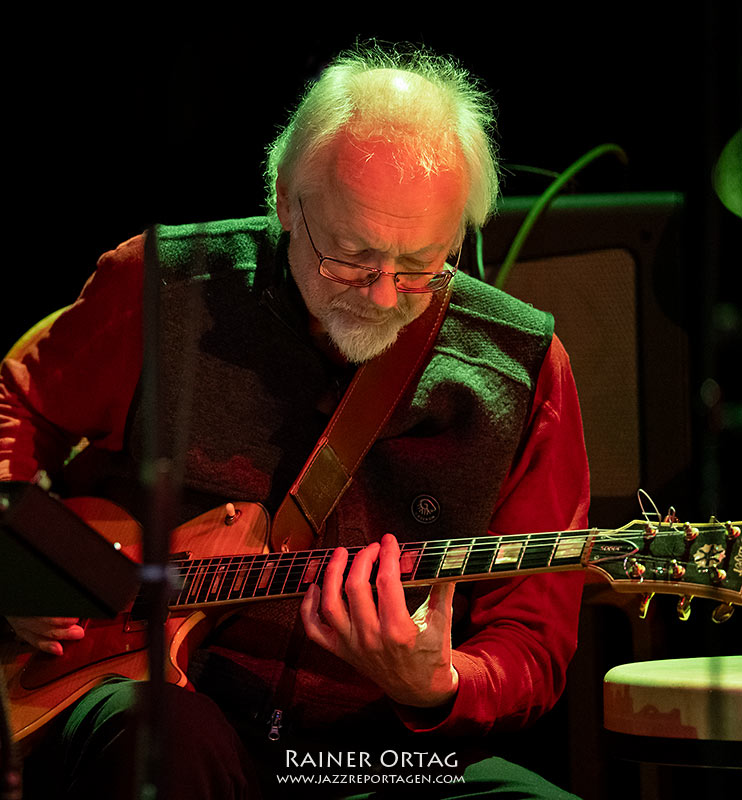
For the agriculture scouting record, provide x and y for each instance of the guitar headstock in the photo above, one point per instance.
(690, 560)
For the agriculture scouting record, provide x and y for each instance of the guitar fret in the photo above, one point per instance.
(536, 552)
(481, 556)
(323, 567)
(225, 578)
(228, 580)
(312, 572)
(263, 578)
(454, 559)
(507, 554)
(216, 584)
(185, 587)
(202, 595)
(523, 551)
(429, 563)
(282, 572)
(296, 578)
(252, 575)
(230, 576)
(409, 560)
(240, 576)
(199, 578)
(569, 547)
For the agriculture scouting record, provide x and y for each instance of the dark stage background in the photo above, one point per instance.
(119, 123)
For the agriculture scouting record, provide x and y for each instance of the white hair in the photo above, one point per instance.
(429, 108)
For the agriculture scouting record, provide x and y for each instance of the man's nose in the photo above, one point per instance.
(382, 292)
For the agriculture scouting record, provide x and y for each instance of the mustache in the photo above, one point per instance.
(368, 312)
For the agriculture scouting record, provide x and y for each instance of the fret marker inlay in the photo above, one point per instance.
(509, 553)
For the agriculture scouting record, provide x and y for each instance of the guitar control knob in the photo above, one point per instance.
(684, 607)
(231, 514)
(722, 612)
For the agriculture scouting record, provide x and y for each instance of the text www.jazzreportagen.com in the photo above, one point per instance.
(373, 778)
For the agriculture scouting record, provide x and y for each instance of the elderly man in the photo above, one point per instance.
(372, 185)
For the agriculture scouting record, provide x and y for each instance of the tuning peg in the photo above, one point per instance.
(733, 532)
(691, 533)
(676, 570)
(684, 607)
(722, 612)
(635, 569)
(650, 531)
(644, 602)
(717, 575)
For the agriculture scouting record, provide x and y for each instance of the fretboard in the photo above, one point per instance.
(227, 579)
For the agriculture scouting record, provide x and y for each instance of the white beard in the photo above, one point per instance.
(360, 333)
(359, 329)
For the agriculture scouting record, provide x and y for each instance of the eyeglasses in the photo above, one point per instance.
(357, 275)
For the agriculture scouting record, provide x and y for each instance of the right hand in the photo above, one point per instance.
(47, 633)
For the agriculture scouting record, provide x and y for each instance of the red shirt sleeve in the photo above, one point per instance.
(522, 632)
(76, 376)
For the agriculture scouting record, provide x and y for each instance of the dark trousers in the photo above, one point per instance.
(96, 751)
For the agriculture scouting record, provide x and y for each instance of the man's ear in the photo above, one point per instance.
(283, 204)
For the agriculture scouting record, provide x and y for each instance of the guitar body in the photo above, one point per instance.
(40, 685)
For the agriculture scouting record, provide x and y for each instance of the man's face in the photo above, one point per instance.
(367, 213)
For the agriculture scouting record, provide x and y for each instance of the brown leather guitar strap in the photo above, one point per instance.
(362, 413)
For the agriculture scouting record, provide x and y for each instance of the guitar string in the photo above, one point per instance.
(426, 549)
(203, 590)
(243, 565)
(257, 563)
(480, 544)
(279, 563)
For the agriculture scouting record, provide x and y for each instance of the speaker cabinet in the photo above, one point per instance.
(610, 269)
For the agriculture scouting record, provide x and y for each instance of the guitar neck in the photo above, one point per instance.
(225, 579)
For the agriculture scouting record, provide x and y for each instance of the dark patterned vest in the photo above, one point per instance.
(244, 382)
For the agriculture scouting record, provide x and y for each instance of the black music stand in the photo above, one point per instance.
(52, 564)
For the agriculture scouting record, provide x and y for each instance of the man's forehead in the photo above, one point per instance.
(380, 173)
(352, 159)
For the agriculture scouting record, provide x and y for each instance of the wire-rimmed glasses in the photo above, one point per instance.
(358, 275)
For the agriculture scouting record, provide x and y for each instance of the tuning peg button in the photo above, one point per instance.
(684, 607)
(722, 612)
(644, 602)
